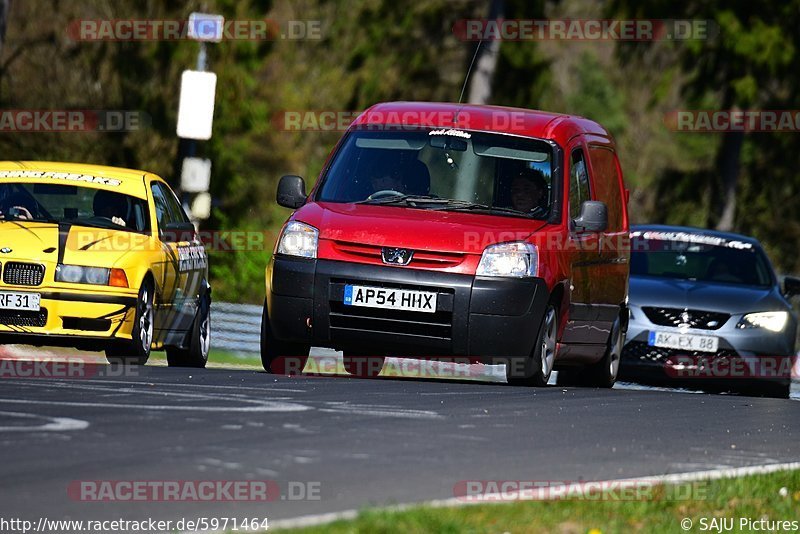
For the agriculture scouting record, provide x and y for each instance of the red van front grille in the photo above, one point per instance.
(421, 258)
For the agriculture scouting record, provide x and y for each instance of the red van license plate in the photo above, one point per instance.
(392, 299)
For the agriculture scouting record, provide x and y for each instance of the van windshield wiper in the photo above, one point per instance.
(476, 206)
(449, 204)
(405, 199)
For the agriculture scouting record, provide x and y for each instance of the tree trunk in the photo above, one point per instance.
(4, 4)
(480, 83)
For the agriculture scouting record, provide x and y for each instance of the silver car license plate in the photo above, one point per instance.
(688, 342)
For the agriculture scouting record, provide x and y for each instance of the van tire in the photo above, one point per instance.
(535, 370)
(603, 374)
(280, 357)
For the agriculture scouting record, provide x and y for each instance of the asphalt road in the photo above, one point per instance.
(352, 442)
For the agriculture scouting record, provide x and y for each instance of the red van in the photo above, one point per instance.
(448, 231)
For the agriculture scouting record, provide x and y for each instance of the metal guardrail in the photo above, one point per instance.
(236, 327)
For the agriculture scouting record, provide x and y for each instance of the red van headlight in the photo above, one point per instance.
(516, 260)
(299, 239)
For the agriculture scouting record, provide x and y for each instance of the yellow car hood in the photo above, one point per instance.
(35, 241)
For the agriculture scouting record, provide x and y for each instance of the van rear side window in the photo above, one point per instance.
(606, 184)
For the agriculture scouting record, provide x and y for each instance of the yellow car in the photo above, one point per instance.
(100, 258)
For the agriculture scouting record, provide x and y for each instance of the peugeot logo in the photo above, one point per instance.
(396, 256)
(5, 250)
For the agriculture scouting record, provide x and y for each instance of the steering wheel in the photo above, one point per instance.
(384, 193)
(538, 210)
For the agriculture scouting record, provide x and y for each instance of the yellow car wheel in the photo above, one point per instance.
(196, 352)
(137, 350)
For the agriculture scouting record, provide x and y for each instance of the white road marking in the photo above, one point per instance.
(54, 424)
(251, 405)
(379, 410)
(281, 404)
(678, 478)
(263, 389)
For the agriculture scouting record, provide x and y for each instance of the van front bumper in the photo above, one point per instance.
(480, 318)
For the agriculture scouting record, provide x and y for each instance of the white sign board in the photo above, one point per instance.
(195, 175)
(201, 206)
(206, 27)
(196, 105)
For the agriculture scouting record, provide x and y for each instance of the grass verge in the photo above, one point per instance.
(773, 497)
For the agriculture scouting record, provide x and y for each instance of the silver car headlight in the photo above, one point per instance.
(772, 321)
(517, 260)
(299, 239)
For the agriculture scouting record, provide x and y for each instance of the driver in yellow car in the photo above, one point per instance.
(111, 206)
(16, 206)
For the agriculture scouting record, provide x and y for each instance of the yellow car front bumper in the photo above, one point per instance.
(71, 318)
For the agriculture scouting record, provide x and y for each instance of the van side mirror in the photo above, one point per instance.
(291, 192)
(791, 286)
(594, 217)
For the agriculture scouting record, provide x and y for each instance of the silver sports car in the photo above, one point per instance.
(707, 309)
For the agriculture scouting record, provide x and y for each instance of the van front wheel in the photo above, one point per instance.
(536, 369)
(277, 356)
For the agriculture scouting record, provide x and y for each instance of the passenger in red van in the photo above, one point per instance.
(459, 234)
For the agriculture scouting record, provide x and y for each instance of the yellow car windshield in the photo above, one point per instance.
(73, 204)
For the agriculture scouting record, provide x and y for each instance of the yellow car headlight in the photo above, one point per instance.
(96, 276)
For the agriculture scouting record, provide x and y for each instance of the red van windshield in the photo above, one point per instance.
(443, 169)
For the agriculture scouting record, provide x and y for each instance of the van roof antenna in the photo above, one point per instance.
(466, 79)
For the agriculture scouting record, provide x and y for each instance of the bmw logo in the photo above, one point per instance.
(5, 250)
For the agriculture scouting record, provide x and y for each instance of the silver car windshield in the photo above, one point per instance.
(727, 262)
